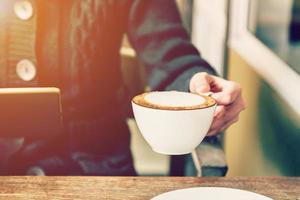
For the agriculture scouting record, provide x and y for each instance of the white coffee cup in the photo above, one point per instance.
(172, 122)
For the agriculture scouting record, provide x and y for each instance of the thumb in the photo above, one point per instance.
(200, 83)
(202, 87)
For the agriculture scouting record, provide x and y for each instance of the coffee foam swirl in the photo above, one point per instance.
(173, 100)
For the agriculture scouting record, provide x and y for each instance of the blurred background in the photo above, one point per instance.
(257, 44)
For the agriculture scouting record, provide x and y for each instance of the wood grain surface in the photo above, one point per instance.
(136, 188)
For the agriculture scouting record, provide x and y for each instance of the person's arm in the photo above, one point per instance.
(156, 32)
(172, 62)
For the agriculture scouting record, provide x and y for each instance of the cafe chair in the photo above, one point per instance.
(209, 158)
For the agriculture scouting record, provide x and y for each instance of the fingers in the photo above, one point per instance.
(213, 132)
(228, 124)
(200, 83)
(230, 92)
(220, 125)
(226, 116)
(227, 95)
(219, 112)
(232, 110)
(224, 92)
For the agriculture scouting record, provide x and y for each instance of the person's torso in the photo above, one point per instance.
(73, 45)
(70, 44)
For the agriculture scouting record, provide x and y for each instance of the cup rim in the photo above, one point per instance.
(209, 102)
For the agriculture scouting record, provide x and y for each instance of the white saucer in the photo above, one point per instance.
(210, 193)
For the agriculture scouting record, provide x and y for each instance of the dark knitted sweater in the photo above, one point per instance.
(75, 44)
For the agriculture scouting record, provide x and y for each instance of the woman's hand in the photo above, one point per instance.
(228, 95)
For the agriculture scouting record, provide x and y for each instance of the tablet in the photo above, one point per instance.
(30, 112)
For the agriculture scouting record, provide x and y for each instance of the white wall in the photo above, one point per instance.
(209, 30)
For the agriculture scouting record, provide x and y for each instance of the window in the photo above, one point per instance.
(251, 36)
(277, 24)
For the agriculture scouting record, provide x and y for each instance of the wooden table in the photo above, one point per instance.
(137, 188)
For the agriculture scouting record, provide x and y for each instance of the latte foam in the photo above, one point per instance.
(173, 100)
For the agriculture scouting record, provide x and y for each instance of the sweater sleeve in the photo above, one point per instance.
(156, 32)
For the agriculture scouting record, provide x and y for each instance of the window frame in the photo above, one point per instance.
(282, 78)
